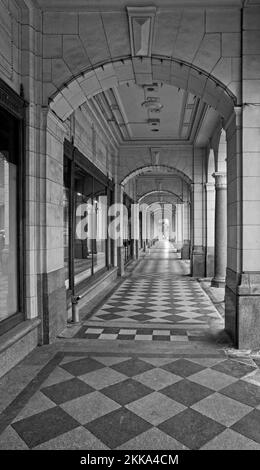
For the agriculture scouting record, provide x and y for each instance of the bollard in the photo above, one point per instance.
(75, 309)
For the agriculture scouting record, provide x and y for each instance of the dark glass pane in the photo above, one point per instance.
(8, 217)
(99, 226)
(83, 245)
(66, 196)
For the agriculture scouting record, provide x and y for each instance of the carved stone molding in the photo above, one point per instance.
(141, 23)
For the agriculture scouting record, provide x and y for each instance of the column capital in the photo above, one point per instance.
(220, 180)
(210, 186)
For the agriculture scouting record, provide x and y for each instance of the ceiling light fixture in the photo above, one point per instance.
(152, 104)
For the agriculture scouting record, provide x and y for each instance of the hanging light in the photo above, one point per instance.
(153, 104)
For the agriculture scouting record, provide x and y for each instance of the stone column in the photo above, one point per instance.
(144, 228)
(173, 221)
(185, 252)
(210, 224)
(119, 251)
(220, 230)
(135, 229)
(179, 226)
(198, 232)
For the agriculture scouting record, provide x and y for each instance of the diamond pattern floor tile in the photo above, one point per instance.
(118, 427)
(89, 407)
(231, 440)
(127, 391)
(186, 392)
(82, 366)
(234, 368)
(187, 400)
(191, 428)
(246, 393)
(157, 379)
(155, 408)
(66, 391)
(152, 439)
(44, 426)
(249, 426)
(77, 439)
(222, 409)
(183, 367)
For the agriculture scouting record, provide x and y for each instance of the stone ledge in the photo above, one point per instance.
(102, 278)
(89, 295)
(244, 284)
(17, 333)
(17, 343)
(249, 284)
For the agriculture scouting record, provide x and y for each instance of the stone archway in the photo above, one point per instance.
(159, 169)
(142, 70)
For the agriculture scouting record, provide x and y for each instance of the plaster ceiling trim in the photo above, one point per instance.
(141, 25)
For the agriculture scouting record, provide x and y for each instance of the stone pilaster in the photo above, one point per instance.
(135, 229)
(185, 251)
(179, 226)
(210, 228)
(118, 238)
(220, 230)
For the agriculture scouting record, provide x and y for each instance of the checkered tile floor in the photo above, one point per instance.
(141, 334)
(107, 402)
(154, 301)
(168, 300)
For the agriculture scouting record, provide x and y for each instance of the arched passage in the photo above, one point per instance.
(171, 71)
(158, 169)
(165, 195)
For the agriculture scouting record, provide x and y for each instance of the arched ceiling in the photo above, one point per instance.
(156, 170)
(156, 183)
(101, 51)
(162, 197)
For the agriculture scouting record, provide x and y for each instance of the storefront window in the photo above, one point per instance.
(100, 226)
(66, 214)
(85, 223)
(8, 218)
(84, 245)
(128, 248)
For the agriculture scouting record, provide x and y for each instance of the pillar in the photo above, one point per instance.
(173, 235)
(144, 228)
(210, 226)
(185, 252)
(118, 240)
(220, 230)
(179, 226)
(242, 316)
(198, 260)
(135, 229)
(49, 248)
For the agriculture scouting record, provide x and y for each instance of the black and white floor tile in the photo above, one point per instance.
(116, 402)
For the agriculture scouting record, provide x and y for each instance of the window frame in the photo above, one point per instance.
(78, 159)
(14, 106)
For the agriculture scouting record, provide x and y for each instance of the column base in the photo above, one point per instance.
(242, 307)
(185, 251)
(218, 282)
(210, 262)
(120, 261)
(198, 261)
(52, 305)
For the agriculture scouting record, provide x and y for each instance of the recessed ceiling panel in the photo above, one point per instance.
(143, 122)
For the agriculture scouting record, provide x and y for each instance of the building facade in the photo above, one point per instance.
(103, 103)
